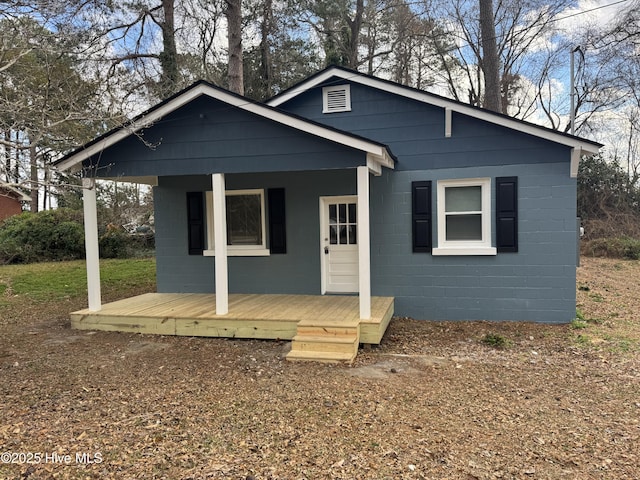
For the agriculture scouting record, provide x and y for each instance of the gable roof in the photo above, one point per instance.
(582, 145)
(378, 154)
(16, 192)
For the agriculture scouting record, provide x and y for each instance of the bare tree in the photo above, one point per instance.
(489, 62)
(235, 77)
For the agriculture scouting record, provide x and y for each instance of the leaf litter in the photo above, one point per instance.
(432, 401)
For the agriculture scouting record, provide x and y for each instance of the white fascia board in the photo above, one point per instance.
(430, 99)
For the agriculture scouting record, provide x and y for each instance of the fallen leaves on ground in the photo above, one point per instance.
(434, 401)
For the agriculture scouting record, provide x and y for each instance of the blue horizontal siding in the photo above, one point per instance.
(414, 131)
(208, 136)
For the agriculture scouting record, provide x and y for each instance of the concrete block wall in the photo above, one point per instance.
(535, 284)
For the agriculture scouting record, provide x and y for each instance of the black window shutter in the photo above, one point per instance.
(507, 214)
(195, 218)
(421, 216)
(277, 221)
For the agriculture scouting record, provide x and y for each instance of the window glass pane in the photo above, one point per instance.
(352, 235)
(352, 213)
(343, 235)
(464, 227)
(343, 213)
(333, 234)
(333, 215)
(463, 199)
(244, 220)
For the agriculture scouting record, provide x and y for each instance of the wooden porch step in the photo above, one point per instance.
(326, 357)
(327, 331)
(312, 343)
(332, 342)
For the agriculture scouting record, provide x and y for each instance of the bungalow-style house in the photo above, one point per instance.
(317, 215)
(11, 200)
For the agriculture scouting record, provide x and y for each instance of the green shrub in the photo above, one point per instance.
(44, 236)
(55, 235)
(622, 247)
(115, 243)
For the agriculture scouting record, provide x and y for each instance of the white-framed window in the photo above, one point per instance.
(464, 217)
(246, 224)
(336, 99)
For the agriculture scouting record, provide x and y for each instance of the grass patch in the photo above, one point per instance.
(56, 280)
(583, 340)
(496, 340)
(596, 297)
(577, 324)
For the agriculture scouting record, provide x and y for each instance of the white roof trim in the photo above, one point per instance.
(379, 152)
(576, 153)
(535, 130)
(23, 196)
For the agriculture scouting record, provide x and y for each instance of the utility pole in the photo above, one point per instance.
(573, 90)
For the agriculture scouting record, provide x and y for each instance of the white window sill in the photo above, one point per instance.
(464, 251)
(241, 252)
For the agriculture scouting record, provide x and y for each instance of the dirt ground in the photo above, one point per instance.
(434, 401)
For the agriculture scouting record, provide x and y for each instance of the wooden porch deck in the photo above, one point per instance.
(323, 328)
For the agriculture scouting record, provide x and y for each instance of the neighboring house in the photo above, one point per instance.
(11, 200)
(350, 184)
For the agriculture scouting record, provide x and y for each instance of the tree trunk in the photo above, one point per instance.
(234, 36)
(169, 54)
(265, 49)
(355, 26)
(490, 61)
(33, 158)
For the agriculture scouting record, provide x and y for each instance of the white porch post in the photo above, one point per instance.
(91, 243)
(220, 241)
(364, 247)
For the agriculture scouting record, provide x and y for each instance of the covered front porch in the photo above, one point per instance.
(321, 327)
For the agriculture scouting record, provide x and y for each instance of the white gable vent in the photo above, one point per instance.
(336, 99)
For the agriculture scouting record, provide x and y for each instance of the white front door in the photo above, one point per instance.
(339, 244)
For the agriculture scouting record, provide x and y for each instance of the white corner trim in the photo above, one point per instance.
(447, 122)
(576, 154)
(464, 251)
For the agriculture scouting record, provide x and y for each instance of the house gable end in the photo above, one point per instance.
(377, 155)
(335, 75)
(207, 135)
(417, 132)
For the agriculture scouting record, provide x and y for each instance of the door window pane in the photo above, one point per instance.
(333, 234)
(343, 213)
(352, 213)
(352, 234)
(343, 235)
(343, 224)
